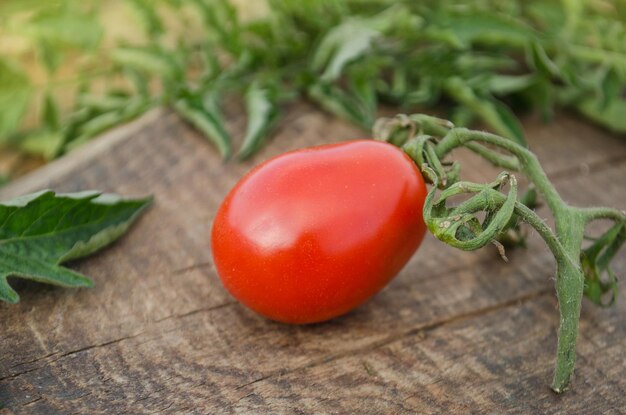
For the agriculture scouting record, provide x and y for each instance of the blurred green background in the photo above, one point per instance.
(70, 70)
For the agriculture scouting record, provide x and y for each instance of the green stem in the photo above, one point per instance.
(569, 229)
(460, 228)
(570, 226)
(595, 213)
(528, 162)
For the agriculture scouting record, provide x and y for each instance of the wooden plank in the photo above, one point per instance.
(159, 330)
(496, 362)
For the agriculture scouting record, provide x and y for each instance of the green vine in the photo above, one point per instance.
(580, 271)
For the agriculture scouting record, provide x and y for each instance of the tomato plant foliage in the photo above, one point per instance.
(40, 231)
(482, 60)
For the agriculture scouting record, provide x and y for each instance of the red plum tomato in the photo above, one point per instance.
(311, 234)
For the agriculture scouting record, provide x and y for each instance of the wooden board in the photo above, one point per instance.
(455, 332)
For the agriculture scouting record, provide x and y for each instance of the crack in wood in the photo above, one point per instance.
(62, 355)
(33, 401)
(196, 311)
(70, 353)
(192, 267)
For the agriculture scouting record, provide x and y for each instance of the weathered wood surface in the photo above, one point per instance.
(455, 332)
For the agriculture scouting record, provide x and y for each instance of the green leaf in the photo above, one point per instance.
(138, 81)
(15, 92)
(65, 28)
(50, 55)
(487, 27)
(462, 117)
(47, 141)
(100, 122)
(104, 103)
(146, 14)
(339, 102)
(44, 143)
(492, 112)
(610, 87)
(483, 63)
(508, 84)
(150, 60)
(573, 12)
(262, 108)
(342, 45)
(354, 38)
(50, 114)
(540, 60)
(542, 95)
(221, 22)
(40, 231)
(203, 113)
(610, 58)
(508, 122)
(596, 263)
(364, 91)
(611, 115)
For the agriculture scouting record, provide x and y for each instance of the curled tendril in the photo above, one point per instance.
(459, 226)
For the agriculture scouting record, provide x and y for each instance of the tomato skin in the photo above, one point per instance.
(311, 234)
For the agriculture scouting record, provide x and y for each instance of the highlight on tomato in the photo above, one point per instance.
(311, 234)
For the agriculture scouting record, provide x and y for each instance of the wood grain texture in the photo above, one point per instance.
(455, 332)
